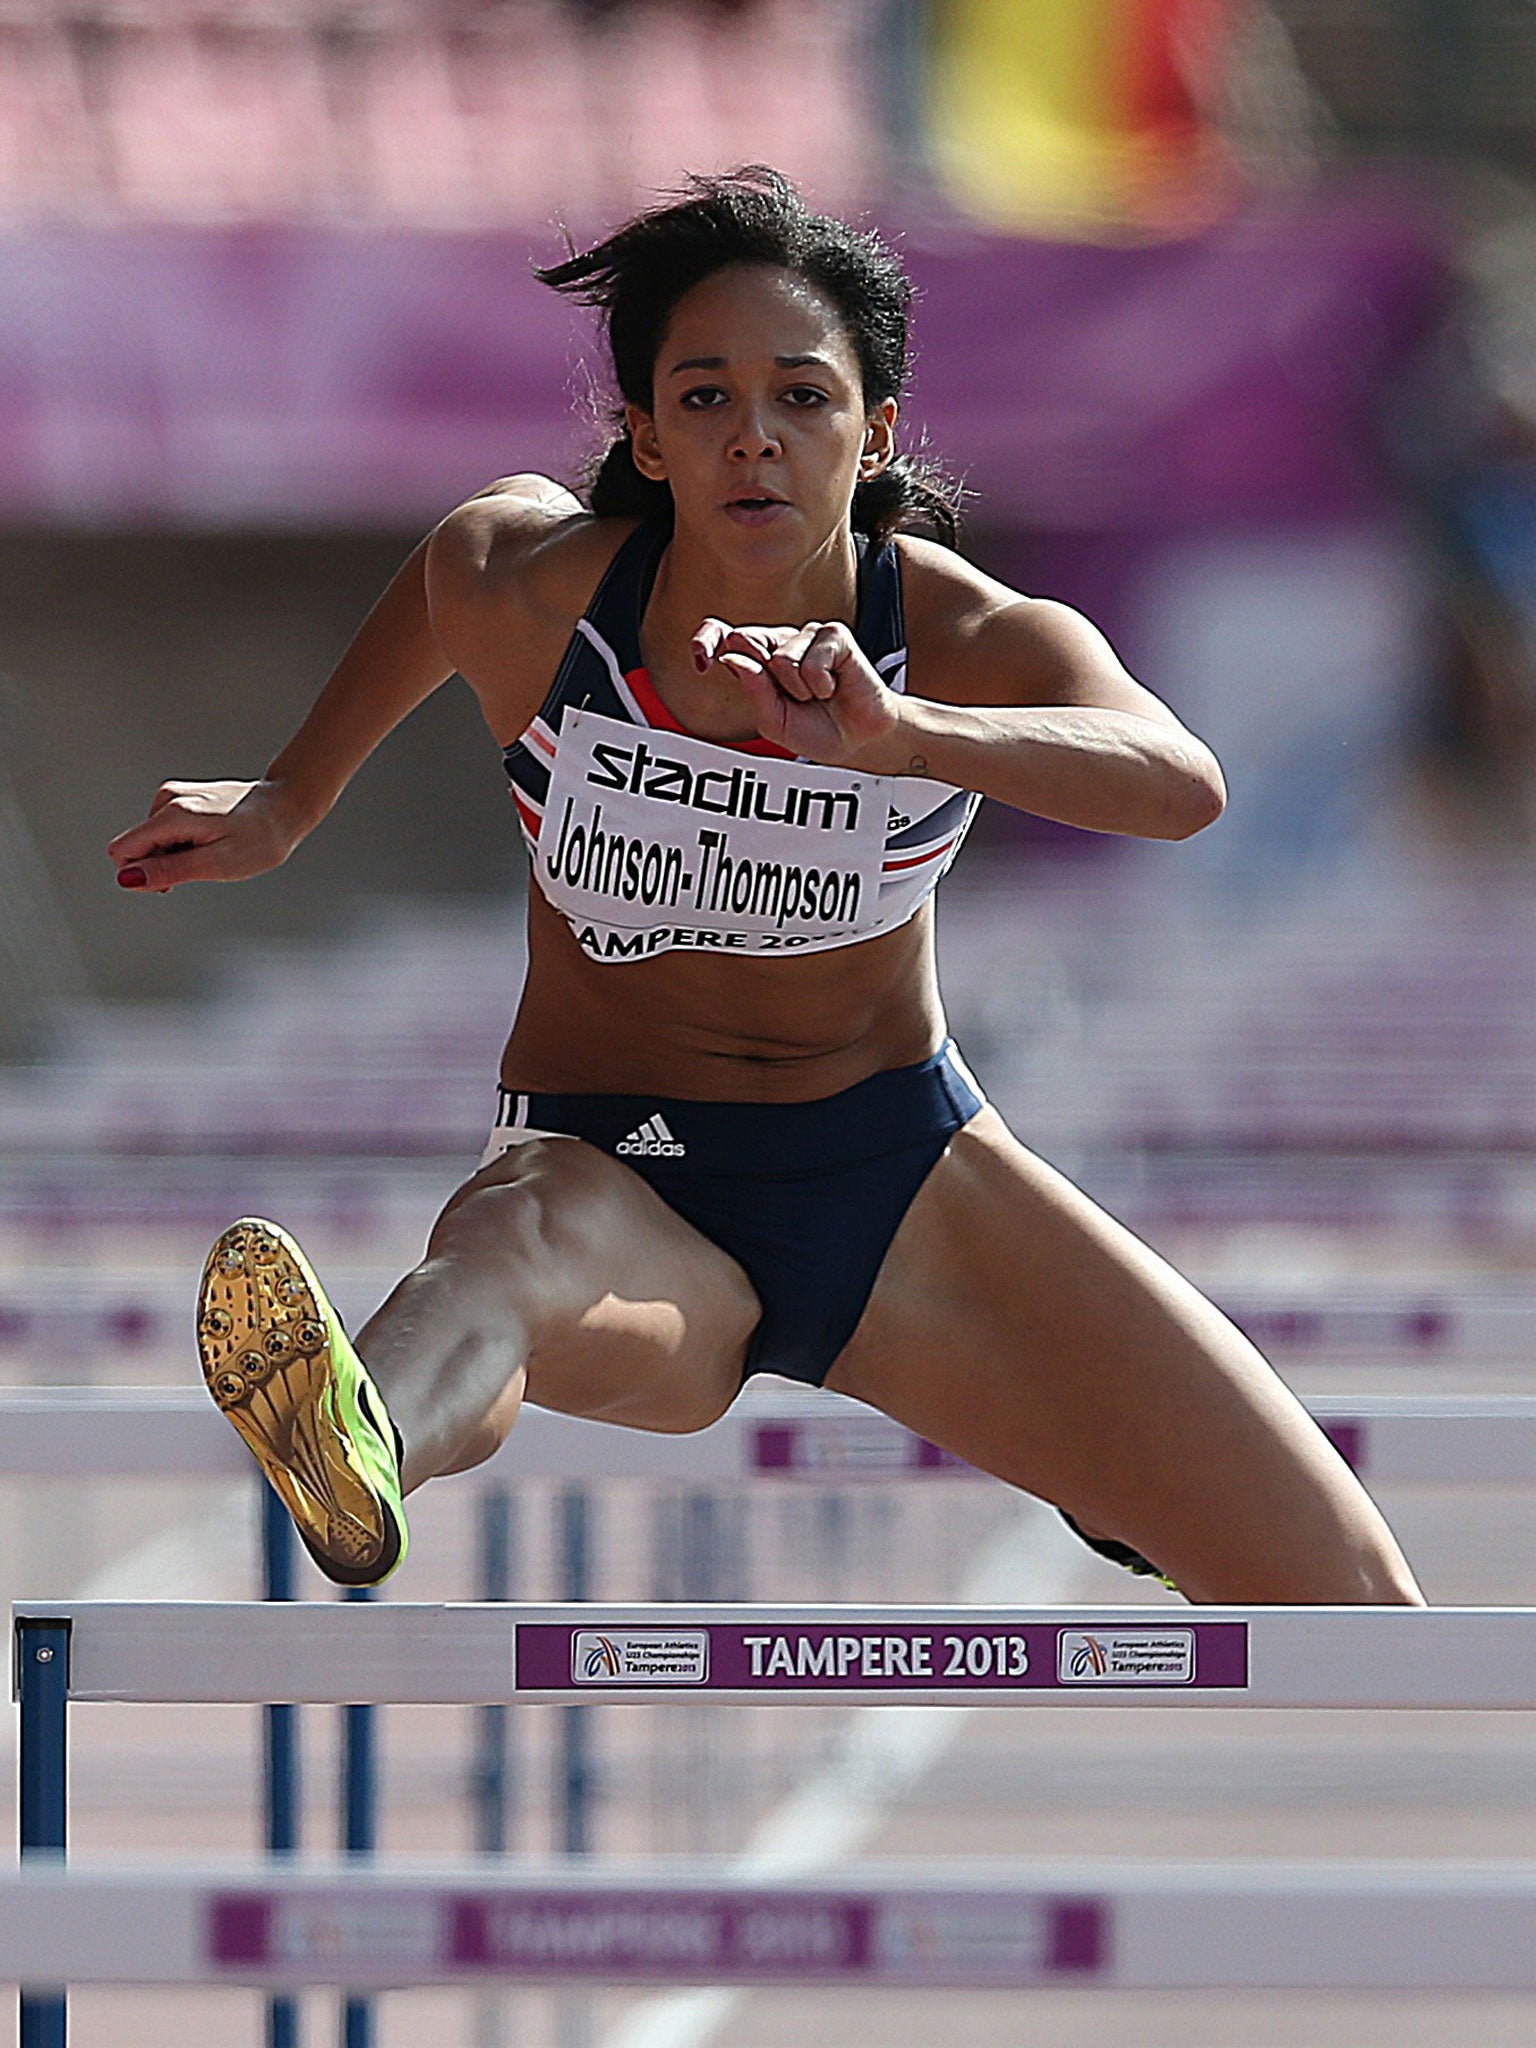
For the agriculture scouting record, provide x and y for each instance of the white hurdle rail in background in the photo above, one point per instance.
(1384, 1926)
(772, 1432)
(1440, 1325)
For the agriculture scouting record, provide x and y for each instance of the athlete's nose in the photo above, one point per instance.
(751, 439)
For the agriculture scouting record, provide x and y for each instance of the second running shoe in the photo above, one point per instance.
(280, 1365)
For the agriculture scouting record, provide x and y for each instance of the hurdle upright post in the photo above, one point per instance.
(574, 2017)
(492, 1776)
(42, 1683)
(281, 1741)
(575, 1721)
(360, 1802)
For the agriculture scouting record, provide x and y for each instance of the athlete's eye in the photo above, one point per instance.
(701, 398)
(805, 396)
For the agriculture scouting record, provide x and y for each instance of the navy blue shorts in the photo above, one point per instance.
(805, 1196)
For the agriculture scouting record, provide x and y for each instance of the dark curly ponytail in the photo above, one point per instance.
(754, 215)
(617, 490)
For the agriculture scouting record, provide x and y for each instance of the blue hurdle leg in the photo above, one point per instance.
(492, 1776)
(42, 1670)
(360, 1824)
(576, 1722)
(493, 1783)
(574, 2016)
(282, 1742)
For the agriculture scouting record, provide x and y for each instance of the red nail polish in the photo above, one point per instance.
(700, 661)
(132, 878)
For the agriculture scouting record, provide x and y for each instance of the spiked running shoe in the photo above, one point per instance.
(279, 1364)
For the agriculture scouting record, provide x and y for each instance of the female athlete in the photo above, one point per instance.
(747, 715)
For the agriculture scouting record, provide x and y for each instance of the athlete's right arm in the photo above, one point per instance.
(228, 830)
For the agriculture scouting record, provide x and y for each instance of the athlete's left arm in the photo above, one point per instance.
(1016, 697)
(1026, 701)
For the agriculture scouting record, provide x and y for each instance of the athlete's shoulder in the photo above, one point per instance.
(508, 575)
(524, 539)
(943, 593)
(975, 640)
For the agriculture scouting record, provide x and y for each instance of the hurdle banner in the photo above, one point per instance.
(771, 1433)
(1089, 1924)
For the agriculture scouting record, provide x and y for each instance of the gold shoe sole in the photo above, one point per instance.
(266, 1357)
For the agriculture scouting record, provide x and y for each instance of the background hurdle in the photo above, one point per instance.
(1081, 1924)
(1438, 1326)
(163, 1432)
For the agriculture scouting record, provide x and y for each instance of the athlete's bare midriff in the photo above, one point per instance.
(721, 1030)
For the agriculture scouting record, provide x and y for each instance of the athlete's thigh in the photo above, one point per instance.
(1016, 1323)
(631, 1314)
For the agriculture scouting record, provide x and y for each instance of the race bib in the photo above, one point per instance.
(655, 840)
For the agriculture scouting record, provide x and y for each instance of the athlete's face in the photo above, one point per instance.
(759, 422)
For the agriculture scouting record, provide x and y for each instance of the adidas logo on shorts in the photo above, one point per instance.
(652, 1141)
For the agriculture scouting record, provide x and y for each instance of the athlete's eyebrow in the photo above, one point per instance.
(809, 362)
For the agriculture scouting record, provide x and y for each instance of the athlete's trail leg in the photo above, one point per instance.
(1019, 1326)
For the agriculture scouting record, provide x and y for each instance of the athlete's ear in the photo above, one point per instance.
(642, 441)
(879, 440)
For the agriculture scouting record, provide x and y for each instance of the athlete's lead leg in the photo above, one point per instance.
(556, 1273)
(1022, 1328)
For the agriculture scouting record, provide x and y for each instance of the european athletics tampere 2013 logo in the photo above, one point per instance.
(1088, 1659)
(602, 1658)
(1129, 1656)
(640, 1656)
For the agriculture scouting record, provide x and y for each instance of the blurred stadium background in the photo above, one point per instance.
(1228, 315)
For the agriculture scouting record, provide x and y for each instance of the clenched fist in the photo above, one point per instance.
(811, 688)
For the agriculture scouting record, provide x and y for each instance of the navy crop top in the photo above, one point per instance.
(647, 839)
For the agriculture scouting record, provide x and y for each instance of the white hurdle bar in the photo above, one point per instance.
(810, 1655)
(1090, 1925)
(770, 1433)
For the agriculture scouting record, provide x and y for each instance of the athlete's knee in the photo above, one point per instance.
(1370, 1554)
(1397, 1591)
(1387, 1578)
(698, 1408)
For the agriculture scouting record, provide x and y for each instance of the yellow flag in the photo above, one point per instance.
(1076, 116)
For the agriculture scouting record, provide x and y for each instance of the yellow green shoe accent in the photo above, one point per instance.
(1121, 1554)
(280, 1365)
